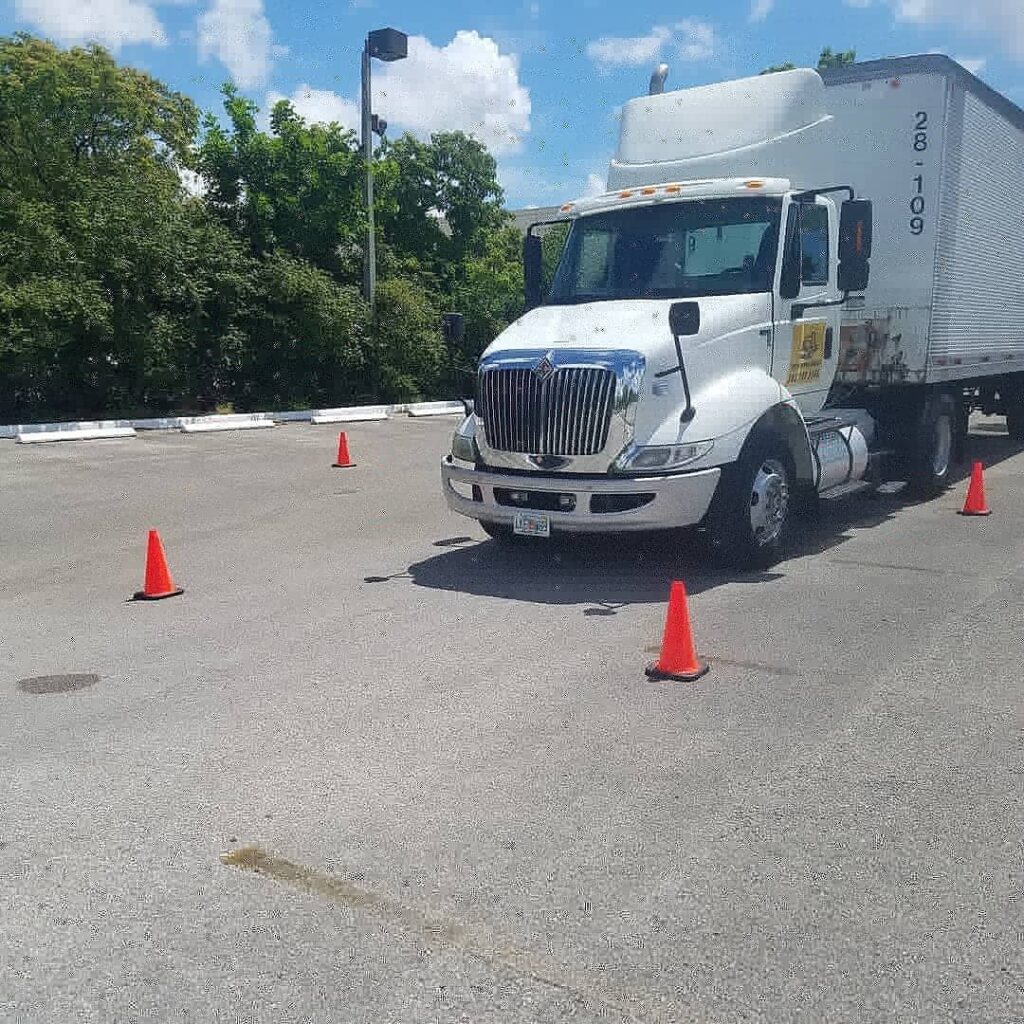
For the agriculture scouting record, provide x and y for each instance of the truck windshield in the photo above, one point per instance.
(670, 251)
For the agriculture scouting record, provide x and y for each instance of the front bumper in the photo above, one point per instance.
(663, 502)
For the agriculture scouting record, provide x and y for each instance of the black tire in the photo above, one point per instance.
(1015, 415)
(764, 480)
(500, 532)
(933, 445)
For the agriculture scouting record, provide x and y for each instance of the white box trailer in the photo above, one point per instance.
(798, 285)
(939, 154)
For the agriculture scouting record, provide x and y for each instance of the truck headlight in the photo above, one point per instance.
(464, 440)
(644, 458)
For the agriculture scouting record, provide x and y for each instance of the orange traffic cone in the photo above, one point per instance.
(975, 505)
(678, 658)
(344, 462)
(158, 577)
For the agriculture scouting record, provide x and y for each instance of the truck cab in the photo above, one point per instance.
(682, 318)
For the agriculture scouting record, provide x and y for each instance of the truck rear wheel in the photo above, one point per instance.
(933, 445)
(753, 507)
(1015, 415)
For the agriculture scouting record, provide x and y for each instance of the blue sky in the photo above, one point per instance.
(538, 80)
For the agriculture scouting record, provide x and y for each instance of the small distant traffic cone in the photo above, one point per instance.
(344, 462)
(975, 505)
(158, 577)
(678, 658)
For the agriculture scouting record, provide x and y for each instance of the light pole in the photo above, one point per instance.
(387, 44)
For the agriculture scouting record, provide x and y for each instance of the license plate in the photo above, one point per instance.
(531, 524)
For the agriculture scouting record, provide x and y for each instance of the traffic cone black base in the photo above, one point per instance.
(655, 673)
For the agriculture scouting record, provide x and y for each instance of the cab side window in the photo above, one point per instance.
(814, 244)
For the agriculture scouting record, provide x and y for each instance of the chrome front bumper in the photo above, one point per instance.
(674, 501)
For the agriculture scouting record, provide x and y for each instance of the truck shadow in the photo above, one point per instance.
(608, 573)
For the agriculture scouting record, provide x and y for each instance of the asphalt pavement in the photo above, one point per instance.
(373, 767)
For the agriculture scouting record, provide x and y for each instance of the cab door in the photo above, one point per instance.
(805, 347)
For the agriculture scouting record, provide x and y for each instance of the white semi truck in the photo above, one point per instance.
(798, 285)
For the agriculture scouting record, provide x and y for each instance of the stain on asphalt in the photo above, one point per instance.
(472, 941)
(57, 684)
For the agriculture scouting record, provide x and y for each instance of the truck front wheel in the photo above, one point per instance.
(498, 531)
(753, 507)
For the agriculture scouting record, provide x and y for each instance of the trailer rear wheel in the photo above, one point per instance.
(933, 445)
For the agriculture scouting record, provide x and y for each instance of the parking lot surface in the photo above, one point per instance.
(374, 767)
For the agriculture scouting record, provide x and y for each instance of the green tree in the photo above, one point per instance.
(408, 348)
(307, 339)
(439, 199)
(489, 289)
(297, 188)
(114, 288)
(826, 59)
(67, 116)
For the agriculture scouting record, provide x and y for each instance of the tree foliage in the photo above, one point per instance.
(121, 293)
(826, 60)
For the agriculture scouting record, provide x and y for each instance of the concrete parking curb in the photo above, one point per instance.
(437, 409)
(86, 429)
(89, 434)
(209, 426)
(351, 414)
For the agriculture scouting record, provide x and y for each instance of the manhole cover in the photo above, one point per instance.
(57, 684)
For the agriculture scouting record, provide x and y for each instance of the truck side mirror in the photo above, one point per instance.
(789, 281)
(855, 231)
(533, 271)
(683, 319)
(453, 325)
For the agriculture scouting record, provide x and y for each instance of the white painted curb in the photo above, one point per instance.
(209, 426)
(14, 429)
(83, 429)
(437, 409)
(353, 414)
(94, 434)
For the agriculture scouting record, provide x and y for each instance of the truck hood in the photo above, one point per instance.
(640, 324)
(727, 361)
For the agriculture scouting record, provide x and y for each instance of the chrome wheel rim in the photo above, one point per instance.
(769, 502)
(943, 446)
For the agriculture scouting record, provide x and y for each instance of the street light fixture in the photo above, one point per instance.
(386, 44)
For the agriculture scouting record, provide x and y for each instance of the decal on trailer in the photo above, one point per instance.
(808, 352)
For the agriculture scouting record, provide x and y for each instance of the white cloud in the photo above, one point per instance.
(973, 64)
(535, 11)
(1000, 19)
(113, 23)
(238, 34)
(628, 51)
(692, 38)
(467, 85)
(191, 182)
(696, 39)
(527, 186)
(760, 9)
(320, 106)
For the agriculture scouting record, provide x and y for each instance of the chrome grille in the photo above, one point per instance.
(569, 413)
